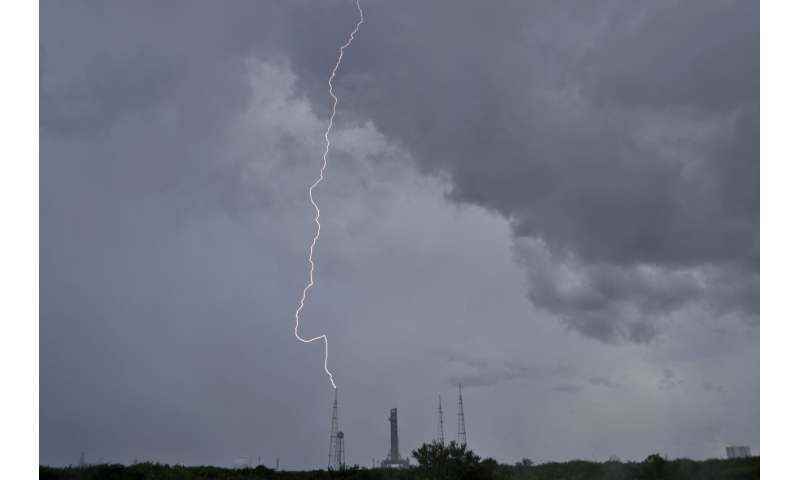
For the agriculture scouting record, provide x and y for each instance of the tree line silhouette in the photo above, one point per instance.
(436, 461)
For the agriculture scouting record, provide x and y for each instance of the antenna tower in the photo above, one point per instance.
(462, 428)
(339, 451)
(333, 446)
(440, 432)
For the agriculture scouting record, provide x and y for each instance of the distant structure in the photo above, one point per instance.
(461, 438)
(393, 460)
(336, 445)
(440, 430)
(733, 451)
(82, 461)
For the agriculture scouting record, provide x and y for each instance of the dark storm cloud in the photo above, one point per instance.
(624, 136)
(619, 302)
(705, 56)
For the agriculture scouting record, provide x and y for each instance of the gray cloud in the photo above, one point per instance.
(613, 302)
(669, 380)
(568, 388)
(108, 89)
(713, 387)
(706, 57)
(604, 382)
(626, 140)
(473, 371)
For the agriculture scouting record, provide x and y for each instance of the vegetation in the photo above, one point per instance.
(436, 462)
(451, 462)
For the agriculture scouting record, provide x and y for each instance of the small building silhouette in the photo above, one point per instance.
(733, 451)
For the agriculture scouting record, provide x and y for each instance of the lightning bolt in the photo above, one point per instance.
(335, 102)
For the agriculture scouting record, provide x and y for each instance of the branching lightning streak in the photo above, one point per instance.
(311, 188)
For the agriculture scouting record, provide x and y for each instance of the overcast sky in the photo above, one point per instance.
(553, 203)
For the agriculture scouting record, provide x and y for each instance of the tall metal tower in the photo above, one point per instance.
(462, 427)
(338, 456)
(440, 432)
(335, 442)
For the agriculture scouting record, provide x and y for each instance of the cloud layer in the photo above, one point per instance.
(625, 144)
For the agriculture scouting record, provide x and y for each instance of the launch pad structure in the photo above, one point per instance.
(336, 449)
(393, 460)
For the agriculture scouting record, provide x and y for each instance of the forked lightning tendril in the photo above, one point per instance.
(322, 169)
